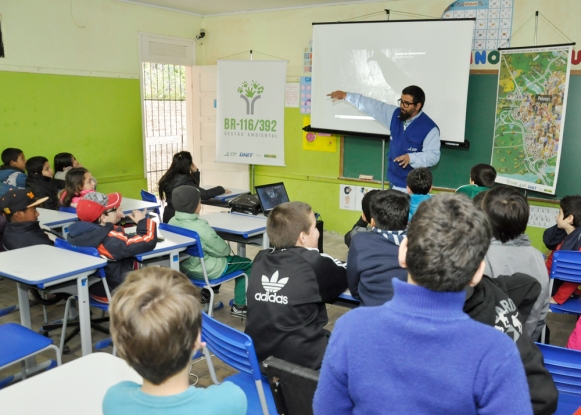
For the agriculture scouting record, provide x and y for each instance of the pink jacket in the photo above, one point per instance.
(575, 338)
(75, 199)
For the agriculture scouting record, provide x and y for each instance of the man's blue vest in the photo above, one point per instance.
(410, 140)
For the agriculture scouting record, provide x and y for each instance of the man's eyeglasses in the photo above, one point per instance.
(110, 211)
(405, 104)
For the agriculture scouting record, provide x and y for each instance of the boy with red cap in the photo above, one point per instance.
(98, 215)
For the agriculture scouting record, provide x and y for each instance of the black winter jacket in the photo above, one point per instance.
(192, 179)
(505, 303)
(22, 234)
(43, 186)
(286, 297)
(113, 244)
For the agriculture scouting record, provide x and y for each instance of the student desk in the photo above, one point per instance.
(129, 205)
(172, 245)
(240, 228)
(56, 219)
(77, 387)
(224, 197)
(44, 266)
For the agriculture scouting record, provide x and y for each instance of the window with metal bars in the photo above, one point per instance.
(164, 112)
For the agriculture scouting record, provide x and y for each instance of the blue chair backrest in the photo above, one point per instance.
(148, 197)
(68, 209)
(231, 346)
(566, 266)
(565, 367)
(87, 250)
(195, 251)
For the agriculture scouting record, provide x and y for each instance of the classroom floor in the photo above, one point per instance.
(560, 325)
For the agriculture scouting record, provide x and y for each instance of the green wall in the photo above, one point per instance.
(96, 119)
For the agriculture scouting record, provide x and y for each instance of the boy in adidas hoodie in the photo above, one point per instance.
(289, 287)
(97, 227)
(372, 262)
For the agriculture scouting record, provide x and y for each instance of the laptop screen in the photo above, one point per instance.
(271, 195)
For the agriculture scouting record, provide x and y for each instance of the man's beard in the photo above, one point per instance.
(404, 116)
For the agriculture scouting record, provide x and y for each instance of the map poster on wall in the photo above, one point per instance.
(530, 116)
(250, 112)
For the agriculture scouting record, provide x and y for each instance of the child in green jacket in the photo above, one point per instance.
(187, 204)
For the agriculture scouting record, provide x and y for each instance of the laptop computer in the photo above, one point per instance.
(271, 195)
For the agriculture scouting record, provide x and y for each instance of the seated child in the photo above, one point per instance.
(574, 341)
(97, 228)
(187, 204)
(372, 260)
(511, 250)
(505, 303)
(39, 180)
(12, 170)
(420, 353)
(156, 325)
(289, 287)
(566, 235)
(362, 224)
(63, 162)
(482, 178)
(22, 228)
(419, 184)
(78, 183)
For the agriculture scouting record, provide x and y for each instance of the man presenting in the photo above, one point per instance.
(415, 138)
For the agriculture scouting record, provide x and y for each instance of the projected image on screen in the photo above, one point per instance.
(379, 59)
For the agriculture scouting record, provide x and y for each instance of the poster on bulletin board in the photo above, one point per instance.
(318, 141)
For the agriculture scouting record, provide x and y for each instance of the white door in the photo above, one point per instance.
(203, 134)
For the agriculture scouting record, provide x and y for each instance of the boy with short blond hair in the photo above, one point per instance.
(156, 325)
(289, 287)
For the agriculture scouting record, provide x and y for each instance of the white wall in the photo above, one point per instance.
(83, 37)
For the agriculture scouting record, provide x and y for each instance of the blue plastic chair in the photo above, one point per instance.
(565, 367)
(566, 267)
(69, 209)
(236, 349)
(61, 243)
(150, 197)
(18, 343)
(197, 251)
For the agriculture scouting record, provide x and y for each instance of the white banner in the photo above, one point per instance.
(250, 112)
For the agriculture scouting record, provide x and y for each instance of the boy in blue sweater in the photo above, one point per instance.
(372, 260)
(420, 353)
(419, 184)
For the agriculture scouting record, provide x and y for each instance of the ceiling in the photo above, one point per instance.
(213, 7)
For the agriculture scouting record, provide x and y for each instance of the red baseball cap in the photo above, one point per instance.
(94, 204)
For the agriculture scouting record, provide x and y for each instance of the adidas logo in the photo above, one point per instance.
(272, 286)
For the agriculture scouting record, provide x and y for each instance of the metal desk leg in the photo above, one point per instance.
(174, 260)
(84, 314)
(265, 241)
(241, 249)
(25, 320)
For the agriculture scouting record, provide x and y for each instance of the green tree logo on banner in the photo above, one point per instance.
(250, 92)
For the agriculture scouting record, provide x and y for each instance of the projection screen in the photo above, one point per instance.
(379, 59)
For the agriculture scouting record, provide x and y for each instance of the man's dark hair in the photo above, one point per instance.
(483, 175)
(390, 210)
(366, 204)
(417, 93)
(508, 212)
(10, 154)
(447, 241)
(571, 205)
(420, 181)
